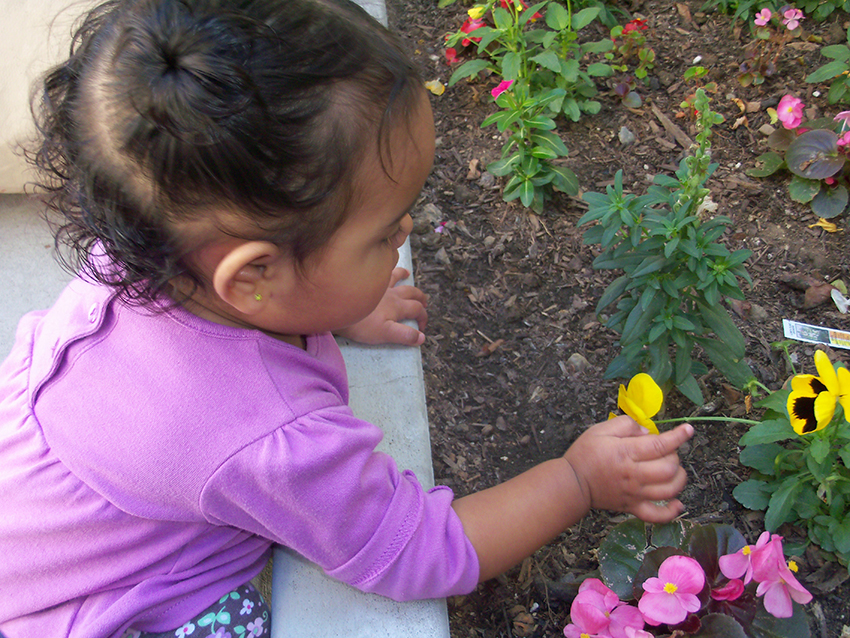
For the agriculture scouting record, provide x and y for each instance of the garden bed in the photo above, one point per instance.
(515, 357)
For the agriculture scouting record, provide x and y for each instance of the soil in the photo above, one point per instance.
(515, 357)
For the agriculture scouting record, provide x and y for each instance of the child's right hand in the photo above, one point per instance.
(621, 467)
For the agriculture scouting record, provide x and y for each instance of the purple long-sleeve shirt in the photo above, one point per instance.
(149, 460)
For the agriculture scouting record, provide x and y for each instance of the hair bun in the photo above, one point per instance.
(182, 71)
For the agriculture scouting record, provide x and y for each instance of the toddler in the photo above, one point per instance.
(234, 179)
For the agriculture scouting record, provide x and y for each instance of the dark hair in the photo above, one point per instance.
(167, 109)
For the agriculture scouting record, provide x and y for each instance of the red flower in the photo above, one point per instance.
(635, 25)
(468, 27)
(451, 56)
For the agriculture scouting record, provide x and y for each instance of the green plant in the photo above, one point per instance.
(629, 47)
(532, 147)
(771, 33)
(800, 454)
(675, 273)
(816, 155)
(636, 558)
(837, 71)
(516, 49)
(745, 9)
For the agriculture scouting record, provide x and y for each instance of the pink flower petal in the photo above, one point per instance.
(661, 608)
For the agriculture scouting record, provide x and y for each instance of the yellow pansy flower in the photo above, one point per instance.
(641, 400)
(476, 12)
(811, 404)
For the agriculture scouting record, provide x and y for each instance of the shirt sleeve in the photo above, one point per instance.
(317, 486)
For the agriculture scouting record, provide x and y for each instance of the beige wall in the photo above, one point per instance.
(34, 34)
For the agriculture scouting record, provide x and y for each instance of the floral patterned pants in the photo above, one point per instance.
(243, 613)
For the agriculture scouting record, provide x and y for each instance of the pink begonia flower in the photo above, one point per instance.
(504, 85)
(843, 116)
(599, 611)
(763, 17)
(829, 181)
(776, 580)
(741, 562)
(631, 632)
(730, 591)
(844, 140)
(790, 111)
(792, 18)
(670, 597)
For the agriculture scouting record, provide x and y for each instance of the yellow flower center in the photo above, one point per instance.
(670, 588)
(746, 551)
(792, 565)
(585, 636)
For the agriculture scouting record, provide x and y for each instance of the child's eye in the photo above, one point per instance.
(397, 238)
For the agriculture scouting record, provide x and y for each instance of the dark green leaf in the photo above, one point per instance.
(827, 71)
(765, 625)
(612, 292)
(830, 202)
(565, 180)
(548, 60)
(768, 431)
(707, 543)
(720, 626)
(770, 161)
(585, 17)
(814, 155)
(776, 401)
(761, 457)
(670, 534)
(752, 494)
(557, 17)
(621, 554)
(803, 190)
(781, 505)
(690, 388)
(468, 69)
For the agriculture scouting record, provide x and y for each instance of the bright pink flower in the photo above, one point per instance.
(829, 180)
(631, 632)
(730, 591)
(741, 562)
(504, 85)
(776, 580)
(844, 117)
(599, 611)
(763, 17)
(792, 18)
(790, 111)
(670, 597)
(469, 26)
(844, 140)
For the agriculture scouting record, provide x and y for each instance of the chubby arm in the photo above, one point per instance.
(385, 325)
(614, 465)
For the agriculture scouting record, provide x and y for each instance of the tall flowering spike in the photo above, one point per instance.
(790, 111)
(811, 404)
(669, 598)
(641, 400)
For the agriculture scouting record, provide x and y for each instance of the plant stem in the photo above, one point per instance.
(708, 418)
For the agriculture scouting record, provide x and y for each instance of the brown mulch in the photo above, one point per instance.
(515, 356)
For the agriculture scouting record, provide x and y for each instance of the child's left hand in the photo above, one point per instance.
(384, 324)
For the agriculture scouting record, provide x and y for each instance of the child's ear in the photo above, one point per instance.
(245, 276)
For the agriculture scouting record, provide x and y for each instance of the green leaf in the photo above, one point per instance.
(540, 122)
(649, 265)
(557, 17)
(599, 70)
(753, 494)
(764, 625)
(720, 626)
(781, 505)
(612, 292)
(548, 60)
(526, 192)
(770, 161)
(670, 534)
(830, 201)
(565, 180)
(571, 109)
(776, 401)
(585, 17)
(468, 69)
(639, 319)
(827, 71)
(511, 64)
(621, 554)
(841, 535)
(549, 140)
(761, 457)
(690, 388)
(504, 166)
(768, 431)
(819, 449)
(707, 543)
(803, 190)
(814, 154)
(207, 620)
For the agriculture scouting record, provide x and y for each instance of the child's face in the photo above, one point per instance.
(345, 280)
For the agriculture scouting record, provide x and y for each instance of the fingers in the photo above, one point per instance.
(658, 512)
(398, 274)
(654, 447)
(404, 335)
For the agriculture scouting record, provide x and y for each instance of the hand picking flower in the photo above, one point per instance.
(641, 400)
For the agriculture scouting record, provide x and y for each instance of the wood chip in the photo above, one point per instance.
(674, 131)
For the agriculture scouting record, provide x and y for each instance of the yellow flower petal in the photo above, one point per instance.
(476, 12)
(436, 87)
(636, 412)
(645, 392)
(824, 409)
(826, 372)
(806, 384)
(827, 226)
(801, 411)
